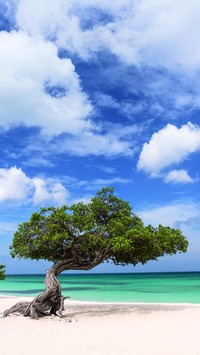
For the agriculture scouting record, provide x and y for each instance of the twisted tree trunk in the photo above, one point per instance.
(48, 303)
(51, 300)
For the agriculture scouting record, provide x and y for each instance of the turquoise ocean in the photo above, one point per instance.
(130, 287)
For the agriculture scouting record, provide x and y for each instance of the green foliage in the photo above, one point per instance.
(104, 227)
(2, 272)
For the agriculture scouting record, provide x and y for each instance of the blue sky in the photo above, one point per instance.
(98, 93)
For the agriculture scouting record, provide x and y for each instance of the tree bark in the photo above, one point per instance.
(48, 303)
(51, 300)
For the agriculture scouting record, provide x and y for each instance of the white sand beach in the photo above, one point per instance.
(103, 329)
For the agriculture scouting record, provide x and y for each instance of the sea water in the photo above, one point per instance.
(131, 287)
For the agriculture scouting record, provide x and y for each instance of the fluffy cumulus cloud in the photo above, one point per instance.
(147, 34)
(170, 145)
(139, 32)
(45, 191)
(178, 176)
(37, 88)
(45, 90)
(14, 185)
(17, 187)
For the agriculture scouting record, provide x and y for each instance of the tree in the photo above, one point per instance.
(83, 236)
(2, 272)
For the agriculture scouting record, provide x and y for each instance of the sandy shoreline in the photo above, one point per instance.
(103, 328)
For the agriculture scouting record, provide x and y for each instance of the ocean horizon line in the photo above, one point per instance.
(109, 273)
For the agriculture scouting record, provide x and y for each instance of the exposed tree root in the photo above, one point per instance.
(48, 303)
(42, 305)
(19, 307)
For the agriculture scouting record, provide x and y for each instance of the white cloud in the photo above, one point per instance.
(17, 187)
(107, 169)
(28, 64)
(29, 67)
(14, 185)
(127, 108)
(105, 100)
(45, 192)
(138, 32)
(178, 176)
(119, 142)
(170, 215)
(168, 146)
(99, 183)
(184, 100)
(38, 161)
(147, 33)
(90, 143)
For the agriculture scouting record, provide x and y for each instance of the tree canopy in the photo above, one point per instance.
(2, 272)
(84, 235)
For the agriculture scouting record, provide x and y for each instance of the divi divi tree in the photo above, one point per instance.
(83, 236)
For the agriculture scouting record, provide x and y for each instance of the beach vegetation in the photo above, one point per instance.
(85, 235)
(2, 272)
